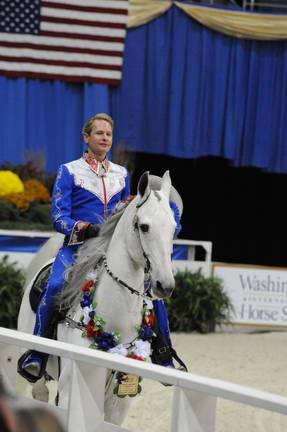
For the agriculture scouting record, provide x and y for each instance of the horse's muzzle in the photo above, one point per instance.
(163, 291)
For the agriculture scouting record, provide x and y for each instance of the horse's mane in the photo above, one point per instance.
(87, 257)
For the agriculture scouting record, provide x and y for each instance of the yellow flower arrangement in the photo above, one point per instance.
(10, 183)
(33, 190)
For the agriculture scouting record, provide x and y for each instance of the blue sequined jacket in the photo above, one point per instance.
(84, 195)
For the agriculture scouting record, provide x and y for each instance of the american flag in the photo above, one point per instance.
(70, 40)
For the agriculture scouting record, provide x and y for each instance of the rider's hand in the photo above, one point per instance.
(92, 231)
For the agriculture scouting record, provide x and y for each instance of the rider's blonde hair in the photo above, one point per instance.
(87, 128)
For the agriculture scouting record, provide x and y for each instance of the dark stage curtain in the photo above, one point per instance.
(239, 209)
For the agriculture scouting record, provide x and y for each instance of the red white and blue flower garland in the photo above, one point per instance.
(93, 328)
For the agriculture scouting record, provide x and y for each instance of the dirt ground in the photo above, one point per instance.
(256, 360)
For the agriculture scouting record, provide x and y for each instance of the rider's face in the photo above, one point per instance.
(100, 139)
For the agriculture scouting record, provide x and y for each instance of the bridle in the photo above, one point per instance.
(147, 267)
(124, 284)
(144, 201)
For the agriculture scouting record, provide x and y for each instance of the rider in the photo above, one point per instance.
(85, 193)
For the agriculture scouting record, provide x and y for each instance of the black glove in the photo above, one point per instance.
(92, 231)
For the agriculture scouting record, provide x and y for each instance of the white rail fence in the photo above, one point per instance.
(194, 401)
(192, 263)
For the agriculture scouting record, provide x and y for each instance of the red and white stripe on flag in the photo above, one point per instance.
(70, 40)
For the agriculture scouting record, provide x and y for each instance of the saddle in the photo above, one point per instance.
(38, 286)
(36, 292)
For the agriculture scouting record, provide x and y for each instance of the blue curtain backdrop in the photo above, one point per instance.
(189, 92)
(186, 91)
(46, 118)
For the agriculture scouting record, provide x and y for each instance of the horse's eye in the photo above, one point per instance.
(144, 228)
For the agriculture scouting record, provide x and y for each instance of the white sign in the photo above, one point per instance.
(258, 294)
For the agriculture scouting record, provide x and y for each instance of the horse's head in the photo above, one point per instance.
(155, 225)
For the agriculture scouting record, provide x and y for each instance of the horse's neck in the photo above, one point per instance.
(123, 266)
(121, 309)
(124, 250)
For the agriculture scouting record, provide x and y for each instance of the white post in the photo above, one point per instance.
(193, 411)
(86, 403)
(87, 397)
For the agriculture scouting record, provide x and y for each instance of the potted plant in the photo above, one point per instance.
(12, 281)
(198, 303)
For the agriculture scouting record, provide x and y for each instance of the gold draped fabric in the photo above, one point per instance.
(142, 12)
(233, 23)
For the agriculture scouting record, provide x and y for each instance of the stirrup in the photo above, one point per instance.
(24, 373)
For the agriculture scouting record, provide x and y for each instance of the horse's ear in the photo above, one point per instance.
(166, 184)
(143, 184)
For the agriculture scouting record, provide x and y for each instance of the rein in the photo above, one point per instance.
(142, 203)
(124, 284)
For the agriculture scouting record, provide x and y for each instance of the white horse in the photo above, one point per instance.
(139, 237)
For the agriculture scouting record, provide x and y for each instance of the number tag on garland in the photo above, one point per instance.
(127, 385)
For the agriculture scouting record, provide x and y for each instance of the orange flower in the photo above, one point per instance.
(20, 200)
(33, 191)
(37, 191)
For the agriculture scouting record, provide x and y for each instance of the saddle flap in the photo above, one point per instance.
(38, 286)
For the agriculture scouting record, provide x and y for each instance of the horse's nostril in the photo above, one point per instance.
(158, 285)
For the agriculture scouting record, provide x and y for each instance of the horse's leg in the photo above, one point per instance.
(115, 408)
(43, 390)
(40, 390)
(64, 386)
